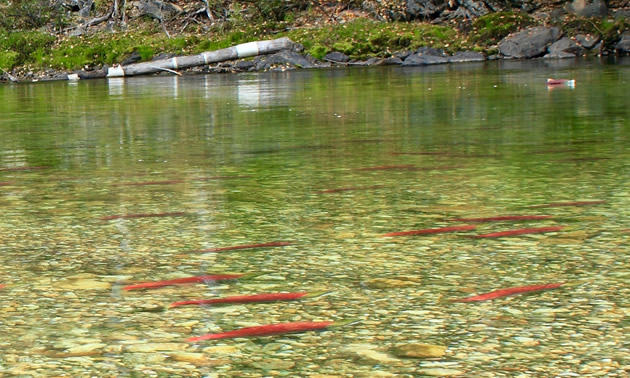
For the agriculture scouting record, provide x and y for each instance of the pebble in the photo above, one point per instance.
(368, 354)
(86, 349)
(419, 350)
(154, 347)
(144, 358)
(272, 364)
(197, 358)
(221, 350)
(441, 372)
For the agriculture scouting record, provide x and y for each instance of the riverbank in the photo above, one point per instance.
(90, 43)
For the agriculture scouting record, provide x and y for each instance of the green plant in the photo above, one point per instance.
(145, 52)
(490, 29)
(31, 14)
(275, 10)
(609, 31)
(361, 38)
(318, 51)
(23, 47)
(7, 59)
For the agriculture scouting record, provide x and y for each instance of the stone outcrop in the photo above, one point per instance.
(337, 57)
(587, 8)
(529, 43)
(284, 58)
(565, 47)
(623, 46)
(429, 55)
(160, 10)
(466, 56)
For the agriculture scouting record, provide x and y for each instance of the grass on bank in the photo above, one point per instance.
(359, 38)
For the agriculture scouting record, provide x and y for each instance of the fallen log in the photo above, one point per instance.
(243, 50)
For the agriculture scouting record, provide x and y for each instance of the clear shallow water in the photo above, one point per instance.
(331, 161)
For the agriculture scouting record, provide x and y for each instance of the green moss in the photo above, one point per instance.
(7, 59)
(23, 47)
(609, 31)
(492, 28)
(318, 51)
(346, 47)
(361, 38)
(145, 52)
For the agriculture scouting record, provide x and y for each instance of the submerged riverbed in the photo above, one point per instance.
(104, 184)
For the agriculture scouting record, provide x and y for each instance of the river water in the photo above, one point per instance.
(114, 182)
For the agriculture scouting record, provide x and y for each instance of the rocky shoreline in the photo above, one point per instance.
(549, 37)
(532, 43)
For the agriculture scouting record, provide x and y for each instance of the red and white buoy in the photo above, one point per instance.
(565, 82)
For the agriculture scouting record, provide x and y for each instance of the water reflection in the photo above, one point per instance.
(116, 86)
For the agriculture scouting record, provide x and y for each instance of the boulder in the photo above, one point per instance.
(336, 56)
(623, 46)
(474, 8)
(529, 43)
(423, 60)
(156, 9)
(402, 54)
(564, 48)
(419, 351)
(288, 58)
(424, 9)
(587, 8)
(621, 14)
(244, 65)
(466, 56)
(374, 62)
(394, 60)
(431, 51)
(588, 41)
(85, 8)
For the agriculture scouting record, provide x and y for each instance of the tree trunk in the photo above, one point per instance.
(231, 53)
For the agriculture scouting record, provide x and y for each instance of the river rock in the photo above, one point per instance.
(392, 61)
(565, 47)
(84, 284)
(244, 65)
(423, 60)
(424, 50)
(368, 354)
(199, 359)
(336, 56)
(419, 350)
(529, 43)
(155, 347)
(473, 8)
(86, 8)
(387, 283)
(157, 9)
(621, 14)
(623, 46)
(86, 349)
(466, 56)
(588, 41)
(441, 372)
(587, 8)
(288, 58)
(272, 364)
(221, 349)
(424, 9)
(143, 358)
